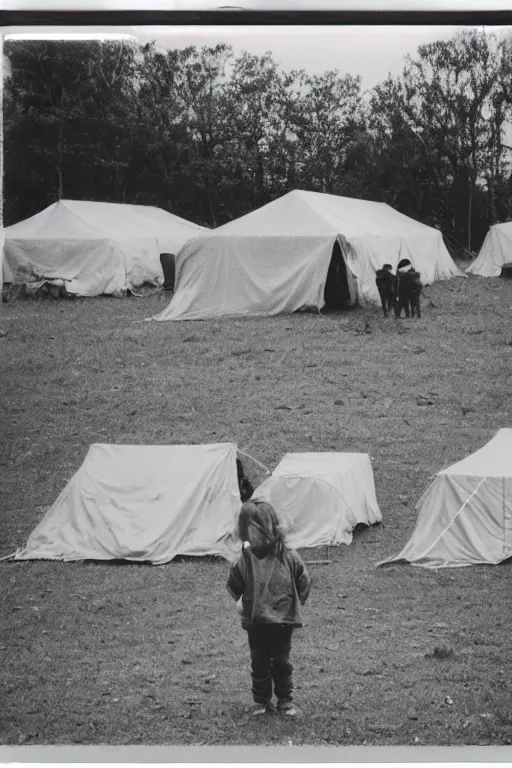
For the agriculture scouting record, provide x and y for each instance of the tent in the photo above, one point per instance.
(495, 253)
(143, 503)
(282, 257)
(465, 516)
(2, 241)
(94, 248)
(322, 497)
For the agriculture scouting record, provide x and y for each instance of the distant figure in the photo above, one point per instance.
(336, 293)
(415, 290)
(409, 289)
(168, 262)
(269, 582)
(244, 484)
(386, 285)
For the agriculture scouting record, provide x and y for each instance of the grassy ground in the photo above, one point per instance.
(125, 654)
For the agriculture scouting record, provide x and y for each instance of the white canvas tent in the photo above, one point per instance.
(152, 503)
(96, 248)
(2, 260)
(465, 516)
(276, 259)
(143, 503)
(495, 253)
(322, 497)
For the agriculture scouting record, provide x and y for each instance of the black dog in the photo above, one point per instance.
(386, 285)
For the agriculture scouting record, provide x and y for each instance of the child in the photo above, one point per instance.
(409, 289)
(386, 285)
(271, 582)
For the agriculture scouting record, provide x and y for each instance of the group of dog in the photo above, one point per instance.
(400, 292)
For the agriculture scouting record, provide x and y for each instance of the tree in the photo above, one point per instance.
(451, 98)
(211, 136)
(256, 151)
(67, 115)
(331, 122)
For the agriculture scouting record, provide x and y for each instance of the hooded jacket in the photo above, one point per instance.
(272, 589)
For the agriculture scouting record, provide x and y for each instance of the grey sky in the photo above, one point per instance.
(370, 52)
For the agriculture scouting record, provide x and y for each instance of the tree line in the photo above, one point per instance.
(210, 135)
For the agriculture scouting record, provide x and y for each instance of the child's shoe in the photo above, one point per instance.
(262, 709)
(287, 707)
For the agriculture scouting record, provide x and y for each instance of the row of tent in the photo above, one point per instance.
(283, 257)
(153, 503)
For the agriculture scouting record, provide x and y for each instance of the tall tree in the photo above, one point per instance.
(67, 113)
(257, 152)
(450, 97)
(331, 122)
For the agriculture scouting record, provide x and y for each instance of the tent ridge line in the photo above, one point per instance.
(482, 481)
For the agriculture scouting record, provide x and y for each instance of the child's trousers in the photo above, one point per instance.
(270, 646)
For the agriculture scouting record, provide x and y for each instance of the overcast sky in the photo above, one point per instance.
(370, 52)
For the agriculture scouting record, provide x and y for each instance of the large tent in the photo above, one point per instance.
(143, 503)
(465, 516)
(322, 497)
(94, 248)
(2, 240)
(495, 253)
(277, 259)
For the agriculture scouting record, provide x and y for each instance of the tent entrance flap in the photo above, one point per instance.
(337, 291)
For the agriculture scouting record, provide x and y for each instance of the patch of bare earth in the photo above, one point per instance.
(123, 654)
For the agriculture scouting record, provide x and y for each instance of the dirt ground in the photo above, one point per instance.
(135, 654)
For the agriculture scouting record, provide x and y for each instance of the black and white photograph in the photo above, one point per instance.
(255, 376)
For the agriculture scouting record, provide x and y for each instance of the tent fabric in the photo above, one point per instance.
(495, 253)
(2, 259)
(143, 503)
(94, 248)
(322, 497)
(275, 259)
(465, 516)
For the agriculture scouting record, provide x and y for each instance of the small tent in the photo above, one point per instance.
(294, 252)
(495, 253)
(94, 248)
(465, 516)
(322, 497)
(143, 503)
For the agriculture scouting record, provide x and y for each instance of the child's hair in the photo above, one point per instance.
(258, 523)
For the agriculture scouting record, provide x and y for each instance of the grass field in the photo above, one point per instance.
(136, 654)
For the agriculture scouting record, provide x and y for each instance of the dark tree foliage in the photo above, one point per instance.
(210, 136)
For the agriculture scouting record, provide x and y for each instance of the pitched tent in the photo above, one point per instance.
(322, 497)
(2, 260)
(143, 503)
(465, 516)
(278, 258)
(495, 253)
(95, 248)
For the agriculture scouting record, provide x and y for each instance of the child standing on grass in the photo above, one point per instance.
(270, 582)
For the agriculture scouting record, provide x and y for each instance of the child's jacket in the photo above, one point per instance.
(272, 590)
